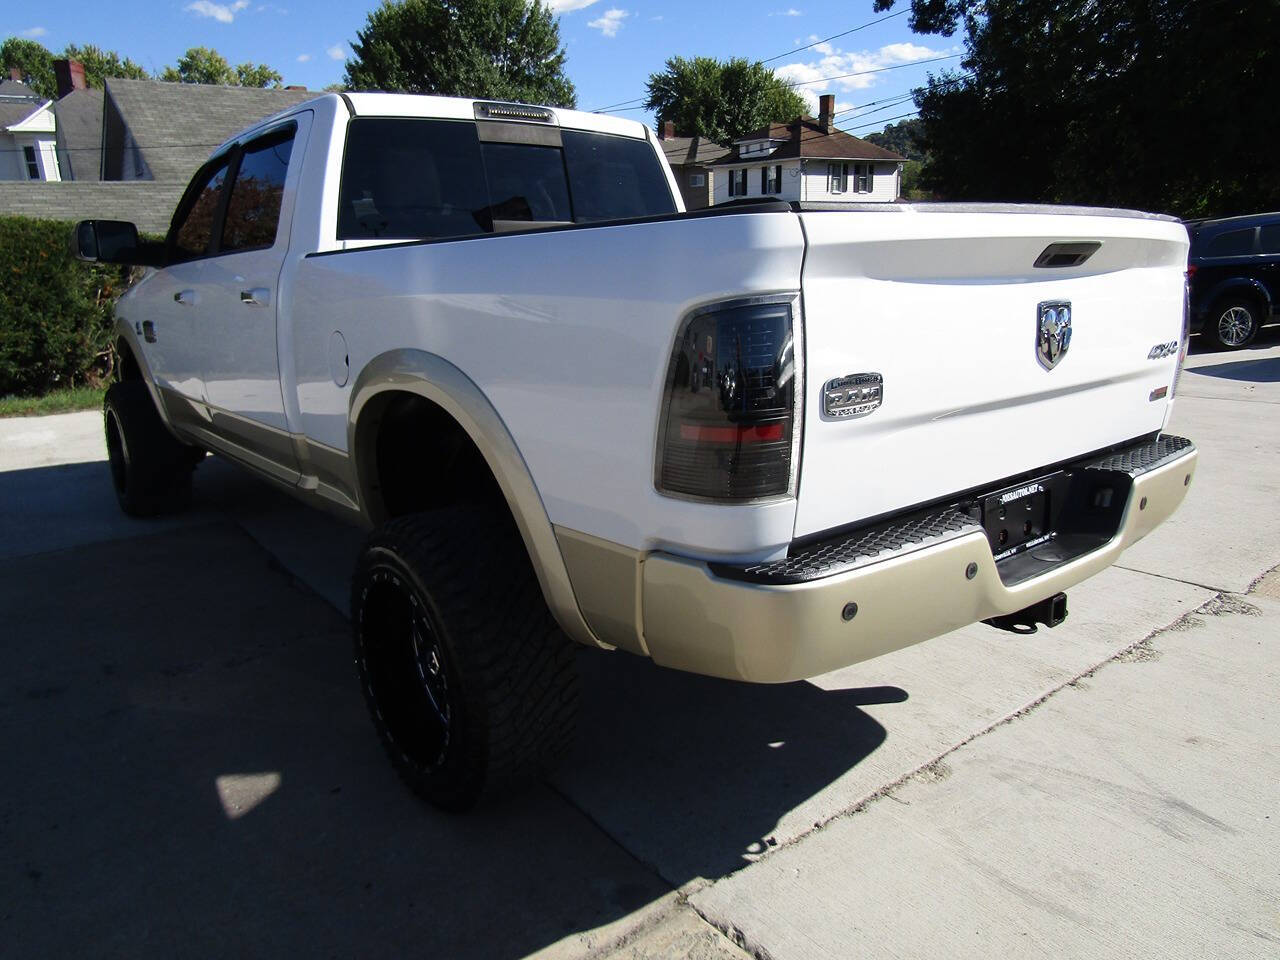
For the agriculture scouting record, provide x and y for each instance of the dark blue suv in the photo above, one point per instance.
(1234, 277)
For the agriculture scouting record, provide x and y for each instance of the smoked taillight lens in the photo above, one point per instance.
(1186, 331)
(730, 424)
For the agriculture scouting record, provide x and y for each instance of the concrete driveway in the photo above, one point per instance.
(191, 772)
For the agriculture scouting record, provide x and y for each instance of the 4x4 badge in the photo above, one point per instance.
(1053, 332)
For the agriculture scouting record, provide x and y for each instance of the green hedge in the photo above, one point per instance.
(55, 312)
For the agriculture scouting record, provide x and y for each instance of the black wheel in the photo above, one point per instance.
(1233, 323)
(150, 468)
(469, 680)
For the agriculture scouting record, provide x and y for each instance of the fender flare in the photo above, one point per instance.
(123, 331)
(1256, 287)
(436, 379)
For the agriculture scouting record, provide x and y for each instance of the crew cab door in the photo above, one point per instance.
(169, 313)
(238, 292)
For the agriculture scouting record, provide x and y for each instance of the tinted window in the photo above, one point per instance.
(1271, 238)
(253, 212)
(1236, 243)
(526, 182)
(195, 225)
(411, 179)
(433, 178)
(613, 178)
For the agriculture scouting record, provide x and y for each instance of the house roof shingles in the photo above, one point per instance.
(11, 89)
(148, 204)
(79, 133)
(685, 151)
(13, 112)
(804, 137)
(177, 125)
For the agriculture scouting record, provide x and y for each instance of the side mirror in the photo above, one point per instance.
(114, 241)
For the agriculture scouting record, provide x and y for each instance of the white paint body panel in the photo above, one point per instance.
(944, 307)
(569, 335)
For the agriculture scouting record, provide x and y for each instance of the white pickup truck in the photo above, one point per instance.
(760, 441)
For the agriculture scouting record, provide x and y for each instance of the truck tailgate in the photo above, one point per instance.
(945, 307)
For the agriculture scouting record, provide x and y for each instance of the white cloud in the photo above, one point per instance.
(304, 57)
(610, 23)
(833, 62)
(789, 12)
(336, 52)
(568, 6)
(35, 32)
(222, 12)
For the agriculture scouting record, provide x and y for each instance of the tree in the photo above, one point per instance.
(720, 100)
(902, 137)
(491, 49)
(100, 64)
(1156, 104)
(258, 75)
(206, 65)
(33, 61)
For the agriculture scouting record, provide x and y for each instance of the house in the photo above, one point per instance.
(128, 151)
(809, 159)
(164, 131)
(78, 112)
(691, 160)
(27, 147)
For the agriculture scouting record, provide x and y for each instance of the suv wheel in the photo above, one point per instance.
(1233, 323)
(150, 468)
(469, 680)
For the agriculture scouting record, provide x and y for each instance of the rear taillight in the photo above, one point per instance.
(1186, 331)
(730, 421)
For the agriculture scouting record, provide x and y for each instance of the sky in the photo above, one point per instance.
(612, 45)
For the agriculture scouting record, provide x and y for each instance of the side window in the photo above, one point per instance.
(1271, 238)
(613, 178)
(193, 229)
(253, 211)
(411, 179)
(1237, 243)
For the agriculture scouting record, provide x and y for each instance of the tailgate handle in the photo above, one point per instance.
(1067, 254)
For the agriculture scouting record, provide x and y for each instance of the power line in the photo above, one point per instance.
(901, 116)
(836, 36)
(807, 46)
(863, 73)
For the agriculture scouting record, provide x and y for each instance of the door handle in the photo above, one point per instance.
(256, 297)
(188, 298)
(148, 331)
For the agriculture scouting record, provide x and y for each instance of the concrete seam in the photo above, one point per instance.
(890, 788)
(1165, 576)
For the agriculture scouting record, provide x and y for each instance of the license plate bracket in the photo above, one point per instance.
(1022, 516)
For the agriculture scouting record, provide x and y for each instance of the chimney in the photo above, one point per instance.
(826, 112)
(668, 130)
(295, 86)
(15, 74)
(69, 75)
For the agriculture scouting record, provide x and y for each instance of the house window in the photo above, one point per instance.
(697, 179)
(738, 183)
(33, 168)
(771, 179)
(837, 177)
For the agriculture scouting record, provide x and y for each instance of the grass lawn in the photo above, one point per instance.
(58, 401)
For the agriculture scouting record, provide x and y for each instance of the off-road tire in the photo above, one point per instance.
(150, 469)
(1217, 325)
(451, 594)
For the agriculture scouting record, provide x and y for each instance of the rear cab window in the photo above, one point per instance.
(406, 178)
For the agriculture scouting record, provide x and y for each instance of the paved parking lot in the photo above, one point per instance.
(190, 769)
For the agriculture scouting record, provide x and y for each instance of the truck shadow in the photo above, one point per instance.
(192, 771)
(1260, 370)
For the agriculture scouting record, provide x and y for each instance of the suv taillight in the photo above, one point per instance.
(730, 424)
